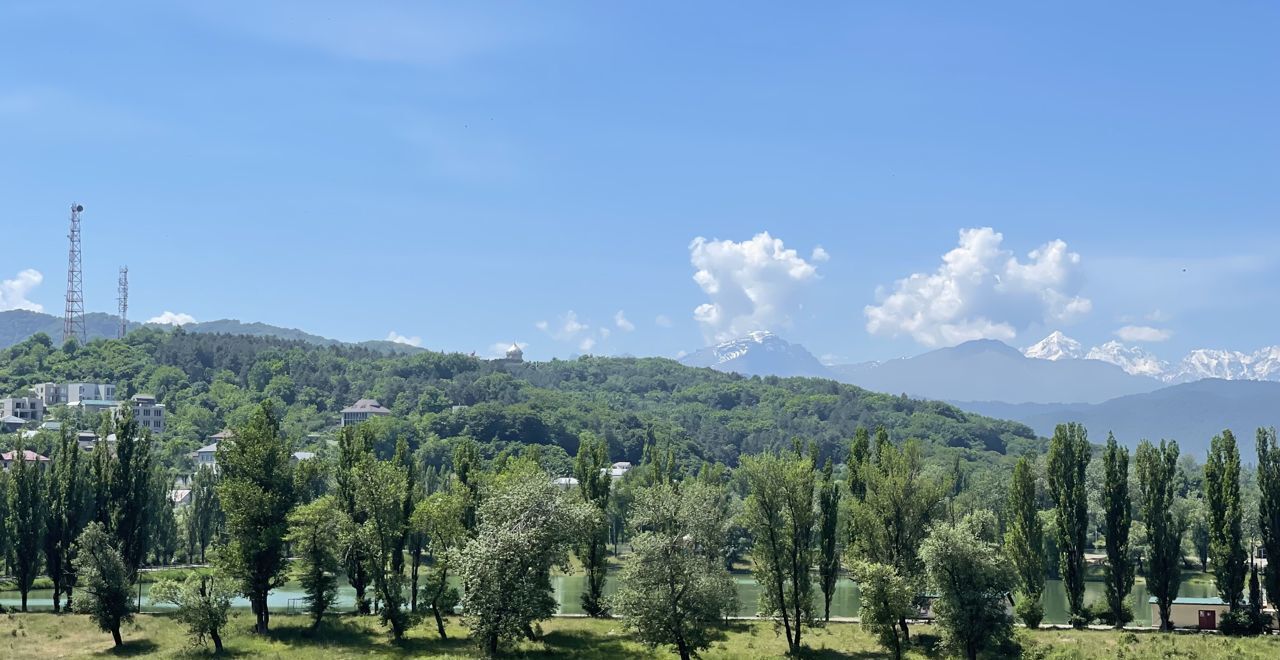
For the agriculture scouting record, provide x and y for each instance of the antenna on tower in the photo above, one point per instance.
(122, 299)
(73, 321)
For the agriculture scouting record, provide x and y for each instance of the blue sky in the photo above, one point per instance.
(472, 174)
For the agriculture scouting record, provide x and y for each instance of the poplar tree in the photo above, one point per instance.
(256, 491)
(205, 517)
(1068, 459)
(103, 581)
(354, 445)
(1269, 510)
(25, 524)
(828, 550)
(129, 490)
(313, 534)
(592, 471)
(1226, 540)
(65, 503)
(1157, 472)
(1118, 516)
(859, 453)
(380, 493)
(1024, 543)
(779, 513)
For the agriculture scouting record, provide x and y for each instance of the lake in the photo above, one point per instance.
(569, 593)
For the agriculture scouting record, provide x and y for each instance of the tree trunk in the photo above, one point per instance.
(24, 600)
(683, 648)
(906, 632)
(413, 580)
(439, 621)
(56, 594)
(115, 635)
(491, 645)
(217, 640)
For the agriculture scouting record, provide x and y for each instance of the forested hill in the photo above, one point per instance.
(212, 381)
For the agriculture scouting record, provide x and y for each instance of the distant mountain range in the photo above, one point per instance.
(1051, 382)
(1191, 413)
(1263, 364)
(16, 325)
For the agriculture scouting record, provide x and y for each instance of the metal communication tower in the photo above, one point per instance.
(73, 321)
(122, 299)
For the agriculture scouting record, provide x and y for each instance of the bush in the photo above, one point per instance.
(1244, 622)
(1102, 613)
(1029, 611)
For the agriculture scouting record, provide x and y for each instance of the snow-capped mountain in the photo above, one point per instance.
(1056, 346)
(1132, 359)
(1263, 364)
(760, 353)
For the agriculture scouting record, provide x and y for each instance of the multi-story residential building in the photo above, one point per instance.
(207, 457)
(28, 408)
(362, 410)
(148, 413)
(53, 394)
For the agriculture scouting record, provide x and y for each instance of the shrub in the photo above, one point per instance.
(1244, 622)
(1029, 611)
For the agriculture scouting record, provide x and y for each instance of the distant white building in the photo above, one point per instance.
(565, 483)
(53, 394)
(207, 457)
(617, 470)
(180, 497)
(148, 413)
(362, 410)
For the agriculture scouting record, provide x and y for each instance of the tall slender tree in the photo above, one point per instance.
(438, 518)
(313, 533)
(828, 532)
(354, 445)
(380, 487)
(205, 518)
(1118, 515)
(256, 491)
(25, 524)
(859, 453)
(592, 471)
(1068, 460)
(779, 513)
(1024, 542)
(1226, 538)
(1269, 510)
(130, 489)
(65, 504)
(1157, 472)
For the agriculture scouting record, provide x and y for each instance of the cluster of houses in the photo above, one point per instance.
(19, 412)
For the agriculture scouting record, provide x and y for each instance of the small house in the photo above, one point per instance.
(1199, 613)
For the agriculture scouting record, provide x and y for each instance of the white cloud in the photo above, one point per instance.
(982, 290)
(586, 344)
(662, 321)
(753, 285)
(819, 255)
(172, 318)
(623, 324)
(570, 329)
(605, 332)
(398, 338)
(1143, 333)
(14, 292)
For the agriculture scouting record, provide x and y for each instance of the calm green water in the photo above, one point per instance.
(569, 592)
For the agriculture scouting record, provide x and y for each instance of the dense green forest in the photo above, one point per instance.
(213, 381)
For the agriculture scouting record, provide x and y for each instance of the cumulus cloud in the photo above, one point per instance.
(819, 255)
(13, 293)
(586, 344)
(981, 291)
(752, 285)
(623, 324)
(172, 318)
(569, 328)
(398, 338)
(662, 321)
(1144, 333)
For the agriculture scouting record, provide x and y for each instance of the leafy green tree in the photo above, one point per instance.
(256, 491)
(1157, 472)
(780, 515)
(162, 538)
(439, 519)
(466, 469)
(206, 516)
(889, 524)
(202, 602)
(1118, 516)
(355, 444)
(313, 534)
(25, 523)
(130, 489)
(1067, 461)
(1024, 542)
(1198, 530)
(526, 525)
(1269, 510)
(674, 589)
(859, 454)
(972, 579)
(380, 493)
(1226, 538)
(102, 581)
(886, 600)
(310, 480)
(66, 505)
(828, 533)
(592, 471)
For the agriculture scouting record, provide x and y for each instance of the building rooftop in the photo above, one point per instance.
(97, 402)
(27, 455)
(1211, 600)
(208, 449)
(303, 455)
(366, 405)
(13, 420)
(222, 435)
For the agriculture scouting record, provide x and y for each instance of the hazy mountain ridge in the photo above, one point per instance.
(759, 354)
(17, 325)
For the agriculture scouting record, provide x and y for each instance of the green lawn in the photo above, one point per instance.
(59, 636)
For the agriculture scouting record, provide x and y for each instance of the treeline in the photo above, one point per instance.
(209, 382)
